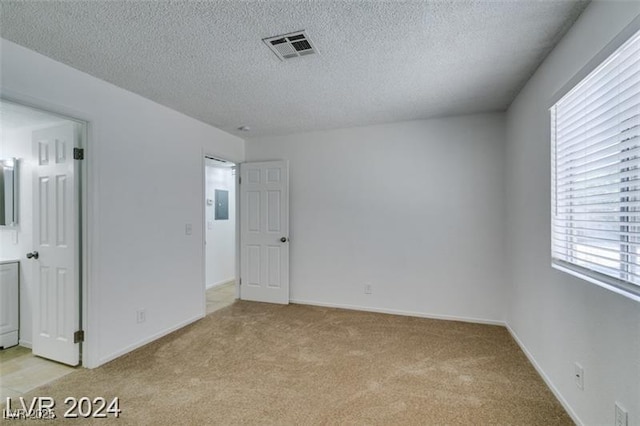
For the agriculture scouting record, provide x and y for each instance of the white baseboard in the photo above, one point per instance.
(219, 283)
(146, 340)
(546, 378)
(400, 312)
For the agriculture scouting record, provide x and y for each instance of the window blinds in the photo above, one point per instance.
(595, 135)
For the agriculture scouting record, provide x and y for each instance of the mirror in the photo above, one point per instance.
(9, 192)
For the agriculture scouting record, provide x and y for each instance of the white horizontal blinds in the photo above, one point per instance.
(595, 133)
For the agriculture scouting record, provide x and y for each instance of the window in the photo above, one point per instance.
(595, 182)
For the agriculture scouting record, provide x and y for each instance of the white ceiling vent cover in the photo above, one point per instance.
(290, 45)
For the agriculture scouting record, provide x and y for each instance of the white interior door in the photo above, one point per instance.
(264, 231)
(56, 280)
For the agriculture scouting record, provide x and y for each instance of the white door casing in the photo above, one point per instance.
(264, 231)
(55, 218)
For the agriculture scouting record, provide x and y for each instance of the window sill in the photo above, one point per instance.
(616, 286)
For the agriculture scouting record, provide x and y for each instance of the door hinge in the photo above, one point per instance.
(239, 180)
(240, 281)
(78, 336)
(78, 153)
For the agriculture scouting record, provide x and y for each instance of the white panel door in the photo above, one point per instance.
(264, 231)
(55, 217)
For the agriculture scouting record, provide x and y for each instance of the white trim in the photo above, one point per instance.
(147, 340)
(220, 283)
(203, 236)
(25, 344)
(547, 380)
(399, 312)
(236, 183)
(593, 280)
(594, 62)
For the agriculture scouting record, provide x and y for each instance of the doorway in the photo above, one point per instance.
(220, 233)
(41, 247)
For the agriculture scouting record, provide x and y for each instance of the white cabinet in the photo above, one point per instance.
(9, 303)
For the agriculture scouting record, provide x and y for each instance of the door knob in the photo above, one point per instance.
(33, 255)
(283, 239)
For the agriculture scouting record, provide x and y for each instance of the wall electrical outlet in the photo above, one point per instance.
(578, 375)
(188, 229)
(141, 316)
(621, 416)
(368, 289)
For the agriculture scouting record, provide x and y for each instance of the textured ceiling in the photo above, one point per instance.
(379, 61)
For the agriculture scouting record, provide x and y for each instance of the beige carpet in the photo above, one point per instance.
(253, 363)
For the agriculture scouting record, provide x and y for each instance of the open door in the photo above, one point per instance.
(264, 231)
(56, 244)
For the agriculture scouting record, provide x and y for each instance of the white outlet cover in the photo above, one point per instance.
(188, 229)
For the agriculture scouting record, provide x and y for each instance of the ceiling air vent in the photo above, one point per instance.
(290, 45)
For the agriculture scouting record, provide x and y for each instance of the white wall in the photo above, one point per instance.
(560, 319)
(221, 234)
(145, 183)
(414, 208)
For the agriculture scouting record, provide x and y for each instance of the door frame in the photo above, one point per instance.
(86, 215)
(236, 182)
